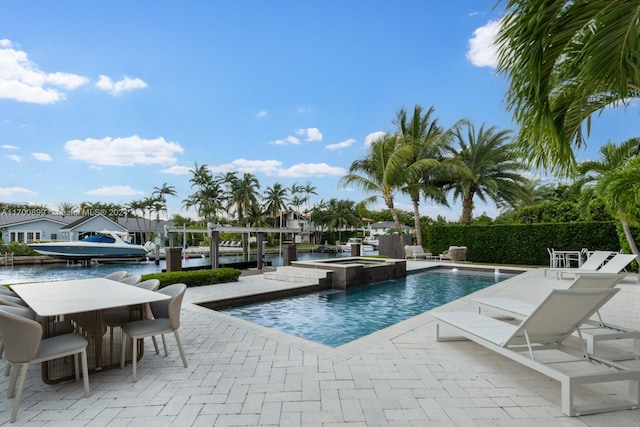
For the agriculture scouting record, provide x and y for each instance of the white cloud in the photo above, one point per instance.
(9, 147)
(9, 191)
(312, 169)
(126, 84)
(268, 167)
(482, 50)
(304, 110)
(15, 158)
(288, 140)
(177, 170)
(127, 151)
(339, 145)
(373, 137)
(21, 80)
(114, 190)
(262, 114)
(311, 134)
(41, 156)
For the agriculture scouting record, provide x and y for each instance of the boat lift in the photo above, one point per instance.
(214, 230)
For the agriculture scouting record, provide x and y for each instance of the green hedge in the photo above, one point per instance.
(196, 277)
(523, 244)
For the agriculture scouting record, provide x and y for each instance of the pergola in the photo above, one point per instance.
(214, 230)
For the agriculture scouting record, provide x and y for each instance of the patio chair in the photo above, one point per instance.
(416, 252)
(131, 280)
(615, 265)
(116, 275)
(24, 345)
(593, 263)
(6, 291)
(116, 317)
(596, 331)
(166, 319)
(547, 328)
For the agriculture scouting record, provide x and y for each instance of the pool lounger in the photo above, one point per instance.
(545, 329)
(593, 331)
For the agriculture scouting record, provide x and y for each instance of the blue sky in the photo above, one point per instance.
(102, 102)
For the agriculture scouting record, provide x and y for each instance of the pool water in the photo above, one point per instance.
(334, 318)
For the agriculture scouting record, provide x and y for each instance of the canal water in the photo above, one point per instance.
(64, 271)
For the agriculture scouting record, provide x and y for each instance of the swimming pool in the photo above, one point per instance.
(334, 318)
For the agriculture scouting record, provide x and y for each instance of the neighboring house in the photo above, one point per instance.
(386, 227)
(25, 228)
(298, 222)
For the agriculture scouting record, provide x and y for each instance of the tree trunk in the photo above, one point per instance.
(629, 236)
(467, 209)
(416, 221)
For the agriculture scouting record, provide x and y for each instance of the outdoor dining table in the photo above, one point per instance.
(83, 302)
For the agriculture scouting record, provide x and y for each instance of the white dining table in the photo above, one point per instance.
(63, 297)
(82, 301)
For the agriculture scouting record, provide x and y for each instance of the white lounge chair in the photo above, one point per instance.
(596, 331)
(593, 263)
(546, 328)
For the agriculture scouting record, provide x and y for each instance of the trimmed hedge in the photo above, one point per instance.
(523, 244)
(196, 277)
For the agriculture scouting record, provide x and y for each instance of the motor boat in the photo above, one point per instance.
(371, 241)
(346, 247)
(103, 244)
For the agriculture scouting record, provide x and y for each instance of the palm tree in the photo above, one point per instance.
(244, 195)
(382, 172)
(612, 179)
(308, 190)
(566, 61)
(429, 141)
(275, 199)
(160, 194)
(341, 214)
(67, 208)
(489, 169)
(208, 197)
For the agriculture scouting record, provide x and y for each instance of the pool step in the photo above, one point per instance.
(299, 275)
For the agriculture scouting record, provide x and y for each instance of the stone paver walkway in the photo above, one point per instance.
(242, 374)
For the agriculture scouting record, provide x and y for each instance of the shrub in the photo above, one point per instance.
(196, 277)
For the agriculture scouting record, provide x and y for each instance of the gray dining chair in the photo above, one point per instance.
(166, 319)
(116, 317)
(116, 275)
(6, 291)
(131, 280)
(24, 345)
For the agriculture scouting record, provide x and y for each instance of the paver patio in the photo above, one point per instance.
(243, 374)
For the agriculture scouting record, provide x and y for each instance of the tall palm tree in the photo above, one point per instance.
(612, 179)
(208, 197)
(382, 172)
(341, 214)
(308, 190)
(244, 195)
(276, 199)
(160, 194)
(429, 141)
(489, 169)
(566, 61)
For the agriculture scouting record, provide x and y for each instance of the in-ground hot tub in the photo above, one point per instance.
(355, 271)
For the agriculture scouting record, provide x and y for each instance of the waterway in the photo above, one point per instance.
(63, 271)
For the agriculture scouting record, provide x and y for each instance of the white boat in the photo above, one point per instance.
(371, 241)
(104, 244)
(346, 247)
